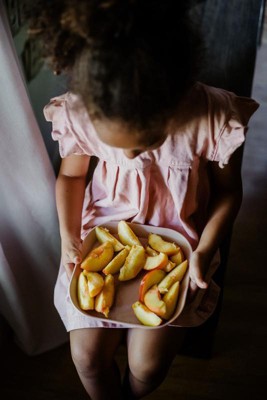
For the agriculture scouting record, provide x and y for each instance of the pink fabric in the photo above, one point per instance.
(165, 187)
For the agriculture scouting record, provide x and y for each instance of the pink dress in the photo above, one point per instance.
(165, 187)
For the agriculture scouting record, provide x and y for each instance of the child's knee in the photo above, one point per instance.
(148, 371)
(90, 362)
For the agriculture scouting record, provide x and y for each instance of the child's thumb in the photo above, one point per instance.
(200, 282)
(76, 257)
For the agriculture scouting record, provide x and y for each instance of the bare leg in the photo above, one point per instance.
(150, 354)
(93, 353)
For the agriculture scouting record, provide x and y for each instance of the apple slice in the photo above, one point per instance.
(170, 299)
(159, 244)
(103, 235)
(98, 258)
(170, 266)
(117, 262)
(175, 275)
(104, 300)
(159, 261)
(95, 282)
(134, 262)
(145, 316)
(126, 234)
(150, 279)
(151, 252)
(178, 258)
(84, 299)
(152, 300)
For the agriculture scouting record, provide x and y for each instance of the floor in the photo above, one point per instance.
(237, 369)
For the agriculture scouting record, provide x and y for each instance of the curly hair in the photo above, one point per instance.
(130, 60)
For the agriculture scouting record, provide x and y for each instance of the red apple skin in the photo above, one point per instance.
(153, 301)
(151, 278)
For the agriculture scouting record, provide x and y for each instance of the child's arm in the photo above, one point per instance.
(226, 189)
(70, 187)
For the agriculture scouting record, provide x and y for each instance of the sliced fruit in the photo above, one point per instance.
(150, 279)
(104, 300)
(170, 299)
(170, 266)
(116, 263)
(103, 235)
(151, 252)
(153, 301)
(98, 258)
(126, 234)
(84, 299)
(159, 244)
(159, 261)
(134, 262)
(95, 282)
(178, 258)
(175, 275)
(145, 316)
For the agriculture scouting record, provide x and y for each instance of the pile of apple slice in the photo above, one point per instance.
(159, 287)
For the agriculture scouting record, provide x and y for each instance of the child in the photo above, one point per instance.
(168, 152)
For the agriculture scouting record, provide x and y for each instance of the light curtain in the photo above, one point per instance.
(29, 238)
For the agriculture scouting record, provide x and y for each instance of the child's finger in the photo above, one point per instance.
(196, 274)
(72, 258)
(200, 282)
(75, 257)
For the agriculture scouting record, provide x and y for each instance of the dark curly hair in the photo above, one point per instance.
(130, 60)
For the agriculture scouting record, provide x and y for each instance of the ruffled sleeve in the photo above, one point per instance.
(227, 124)
(55, 112)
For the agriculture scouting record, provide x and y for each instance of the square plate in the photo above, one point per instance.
(127, 292)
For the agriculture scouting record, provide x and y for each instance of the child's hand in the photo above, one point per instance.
(71, 253)
(197, 270)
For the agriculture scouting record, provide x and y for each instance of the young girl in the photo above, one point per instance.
(169, 155)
